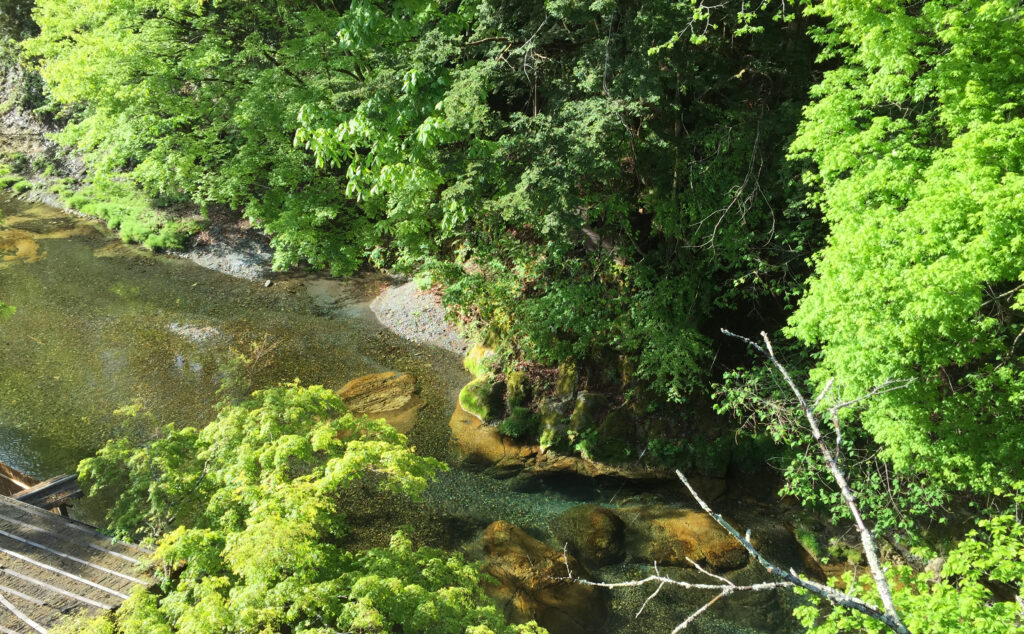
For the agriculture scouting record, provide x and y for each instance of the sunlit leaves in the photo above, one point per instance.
(916, 139)
(247, 517)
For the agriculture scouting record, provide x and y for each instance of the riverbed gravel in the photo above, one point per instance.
(417, 316)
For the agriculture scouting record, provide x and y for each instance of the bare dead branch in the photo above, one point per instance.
(889, 616)
(724, 589)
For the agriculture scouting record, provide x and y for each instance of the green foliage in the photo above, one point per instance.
(8, 181)
(247, 516)
(959, 599)
(915, 139)
(131, 213)
(16, 18)
(580, 179)
(200, 100)
(6, 310)
(21, 187)
(707, 456)
(521, 423)
(85, 624)
(768, 413)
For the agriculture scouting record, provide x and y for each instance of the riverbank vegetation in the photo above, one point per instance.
(599, 188)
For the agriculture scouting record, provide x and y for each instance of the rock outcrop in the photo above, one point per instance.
(483, 446)
(388, 395)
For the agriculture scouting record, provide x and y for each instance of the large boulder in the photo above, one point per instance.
(532, 583)
(388, 395)
(479, 361)
(674, 536)
(590, 408)
(594, 534)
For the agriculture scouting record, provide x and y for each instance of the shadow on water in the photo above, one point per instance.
(101, 325)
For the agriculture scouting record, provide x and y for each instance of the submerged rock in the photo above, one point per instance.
(194, 333)
(388, 395)
(594, 534)
(674, 536)
(532, 583)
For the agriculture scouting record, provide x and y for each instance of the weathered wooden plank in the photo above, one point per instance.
(76, 547)
(45, 591)
(64, 555)
(67, 528)
(40, 562)
(27, 620)
(53, 566)
(52, 493)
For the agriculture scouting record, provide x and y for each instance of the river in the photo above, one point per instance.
(102, 326)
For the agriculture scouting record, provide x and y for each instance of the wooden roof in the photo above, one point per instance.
(52, 567)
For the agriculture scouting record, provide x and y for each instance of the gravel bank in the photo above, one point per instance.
(417, 316)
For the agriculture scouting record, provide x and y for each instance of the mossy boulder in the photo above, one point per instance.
(518, 388)
(567, 379)
(554, 424)
(590, 408)
(479, 361)
(617, 432)
(484, 399)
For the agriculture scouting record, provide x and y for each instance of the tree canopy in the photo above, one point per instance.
(585, 181)
(916, 149)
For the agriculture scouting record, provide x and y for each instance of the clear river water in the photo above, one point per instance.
(101, 325)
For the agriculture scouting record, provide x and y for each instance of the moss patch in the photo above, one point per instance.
(521, 423)
(518, 389)
(476, 398)
(479, 361)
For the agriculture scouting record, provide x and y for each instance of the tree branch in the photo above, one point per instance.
(890, 616)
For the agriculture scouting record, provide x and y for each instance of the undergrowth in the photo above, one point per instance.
(130, 213)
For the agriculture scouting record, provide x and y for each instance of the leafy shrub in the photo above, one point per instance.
(18, 161)
(77, 201)
(132, 214)
(21, 187)
(9, 180)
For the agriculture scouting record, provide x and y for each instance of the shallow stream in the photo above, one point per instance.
(101, 325)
